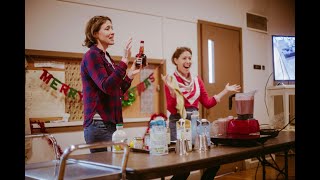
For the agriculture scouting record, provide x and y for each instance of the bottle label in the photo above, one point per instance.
(158, 140)
(139, 61)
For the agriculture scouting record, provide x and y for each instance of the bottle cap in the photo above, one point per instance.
(142, 41)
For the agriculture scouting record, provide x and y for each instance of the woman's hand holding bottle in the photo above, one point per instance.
(133, 70)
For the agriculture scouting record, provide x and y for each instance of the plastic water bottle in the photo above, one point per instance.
(194, 121)
(119, 136)
(158, 137)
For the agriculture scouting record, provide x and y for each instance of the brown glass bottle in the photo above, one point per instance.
(142, 56)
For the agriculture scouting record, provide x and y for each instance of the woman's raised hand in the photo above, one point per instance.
(127, 51)
(169, 83)
(235, 87)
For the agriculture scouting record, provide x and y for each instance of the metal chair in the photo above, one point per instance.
(66, 169)
(51, 138)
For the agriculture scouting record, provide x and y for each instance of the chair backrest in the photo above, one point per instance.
(101, 144)
(49, 149)
(58, 170)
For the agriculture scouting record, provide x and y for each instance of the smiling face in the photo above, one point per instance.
(182, 59)
(105, 35)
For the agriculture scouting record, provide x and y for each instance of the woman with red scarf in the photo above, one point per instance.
(183, 94)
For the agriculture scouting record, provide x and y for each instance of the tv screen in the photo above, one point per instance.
(283, 50)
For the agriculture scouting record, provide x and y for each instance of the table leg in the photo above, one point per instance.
(285, 98)
(270, 106)
(263, 168)
(286, 171)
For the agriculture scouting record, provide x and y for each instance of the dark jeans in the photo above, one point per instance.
(99, 131)
(208, 174)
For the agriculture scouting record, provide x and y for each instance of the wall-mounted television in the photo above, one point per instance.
(283, 58)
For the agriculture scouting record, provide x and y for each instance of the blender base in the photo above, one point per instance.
(243, 126)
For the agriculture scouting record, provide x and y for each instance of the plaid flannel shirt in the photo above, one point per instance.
(102, 86)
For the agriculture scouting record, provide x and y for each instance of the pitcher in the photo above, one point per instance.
(244, 104)
(204, 129)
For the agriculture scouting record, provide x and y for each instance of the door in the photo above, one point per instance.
(220, 63)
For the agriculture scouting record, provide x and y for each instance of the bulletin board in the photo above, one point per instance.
(47, 100)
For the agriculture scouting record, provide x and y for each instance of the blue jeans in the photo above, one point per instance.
(99, 131)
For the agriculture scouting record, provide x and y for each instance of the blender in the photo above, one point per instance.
(244, 124)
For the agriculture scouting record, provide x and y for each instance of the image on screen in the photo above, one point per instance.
(283, 48)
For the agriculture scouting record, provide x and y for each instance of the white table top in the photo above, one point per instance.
(290, 86)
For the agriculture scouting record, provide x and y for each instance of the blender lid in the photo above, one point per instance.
(245, 96)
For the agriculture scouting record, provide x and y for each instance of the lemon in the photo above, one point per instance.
(117, 147)
(131, 144)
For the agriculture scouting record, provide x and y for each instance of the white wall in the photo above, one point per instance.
(59, 26)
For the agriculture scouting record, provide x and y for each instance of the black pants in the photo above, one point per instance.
(208, 174)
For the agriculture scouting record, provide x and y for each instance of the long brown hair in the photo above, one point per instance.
(93, 26)
(178, 52)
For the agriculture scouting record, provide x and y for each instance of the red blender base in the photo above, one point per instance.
(243, 126)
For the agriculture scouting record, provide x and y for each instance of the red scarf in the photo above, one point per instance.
(189, 88)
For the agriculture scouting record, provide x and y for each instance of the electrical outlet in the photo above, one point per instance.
(255, 66)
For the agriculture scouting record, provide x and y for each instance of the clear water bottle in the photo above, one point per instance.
(119, 136)
(158, 137)
(194, 124)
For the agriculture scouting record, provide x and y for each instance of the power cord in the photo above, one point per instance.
(288, 123)
(265, 93)
(274, 132)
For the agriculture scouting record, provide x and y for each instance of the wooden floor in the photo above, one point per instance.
(250, 174)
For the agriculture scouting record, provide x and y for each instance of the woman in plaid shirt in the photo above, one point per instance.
(103, 81)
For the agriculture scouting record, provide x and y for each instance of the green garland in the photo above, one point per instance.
(130, 96)
(127, 100)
